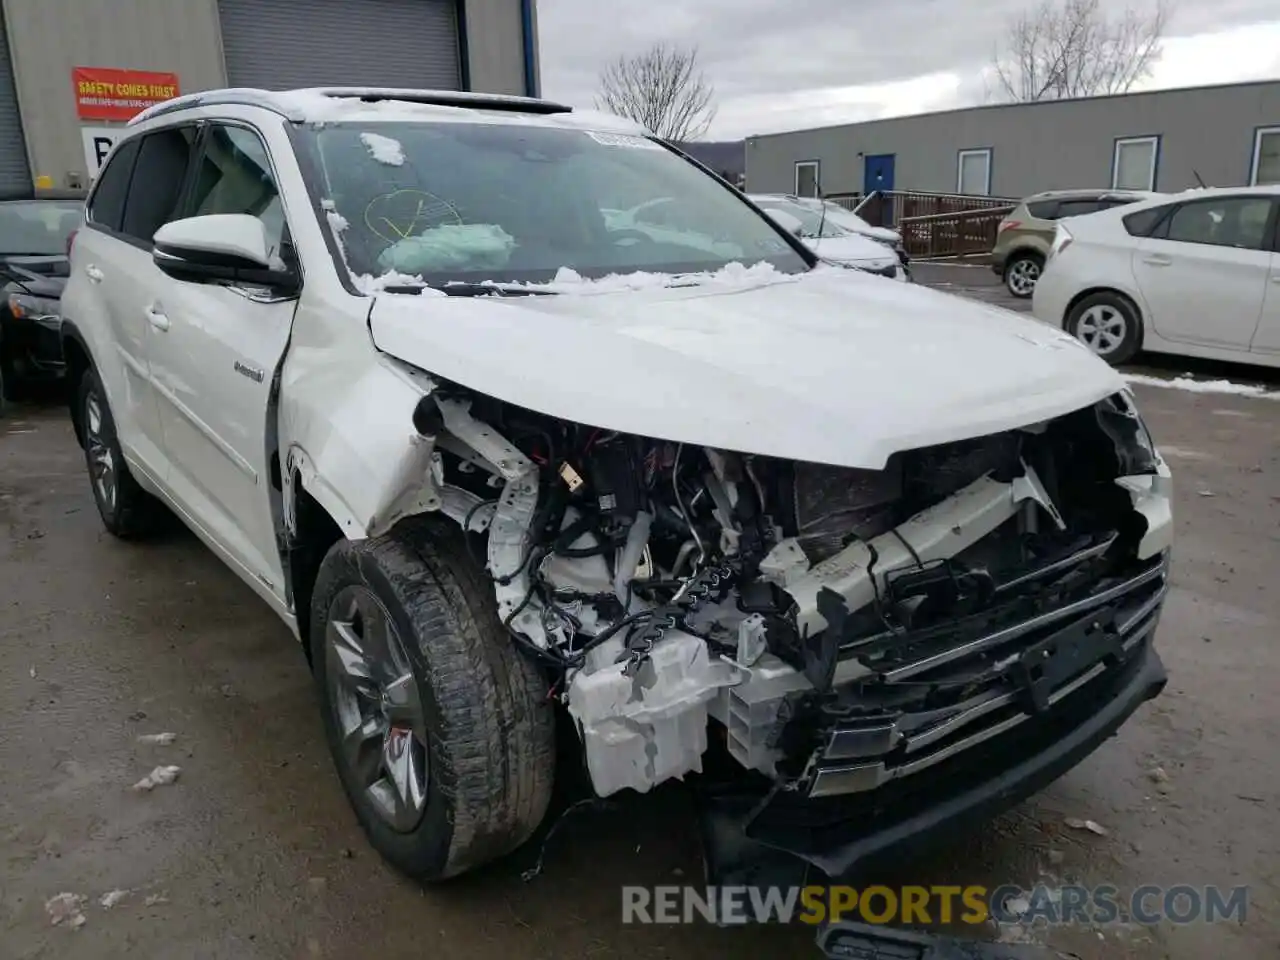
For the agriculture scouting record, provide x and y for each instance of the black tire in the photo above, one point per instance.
(1021, 273)
(489, 724)
(131, 513)
(1112, 305)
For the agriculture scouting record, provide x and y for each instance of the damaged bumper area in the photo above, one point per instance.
(882, 653)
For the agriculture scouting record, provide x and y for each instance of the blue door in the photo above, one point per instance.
(877, 173)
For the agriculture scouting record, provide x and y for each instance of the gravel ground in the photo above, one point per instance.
(253, 853)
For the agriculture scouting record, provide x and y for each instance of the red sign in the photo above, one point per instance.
(105, 93)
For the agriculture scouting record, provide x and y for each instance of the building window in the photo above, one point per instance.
(1133, 167)
(1266, 157)
(807, 178)
(973, 173)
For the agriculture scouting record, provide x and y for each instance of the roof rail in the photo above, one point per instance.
(447, 98)
(278, 100)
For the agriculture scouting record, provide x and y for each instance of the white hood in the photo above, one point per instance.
(854, 249)
(833, 366)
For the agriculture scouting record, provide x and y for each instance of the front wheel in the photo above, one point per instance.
(441, 731)
(1022, 273)
(1108, 325)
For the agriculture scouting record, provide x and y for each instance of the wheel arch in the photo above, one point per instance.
(79, 360)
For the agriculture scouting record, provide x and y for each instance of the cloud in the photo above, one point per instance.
(779, 66)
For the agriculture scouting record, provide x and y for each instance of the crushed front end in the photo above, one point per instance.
(882, 654)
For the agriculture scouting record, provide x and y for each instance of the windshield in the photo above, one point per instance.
(811, 219)
(38, 227)
(475, 202)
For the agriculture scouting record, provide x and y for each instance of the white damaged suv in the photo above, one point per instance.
(895, 558)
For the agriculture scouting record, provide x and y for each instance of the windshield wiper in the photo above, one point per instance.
(460, 288)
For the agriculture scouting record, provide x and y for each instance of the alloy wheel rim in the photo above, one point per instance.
(1102, 329)
(1023, 276)
(102, 462)
(378, 708)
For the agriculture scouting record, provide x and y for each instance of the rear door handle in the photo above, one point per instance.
(156, 317)
(93, 273)
(1156, 260)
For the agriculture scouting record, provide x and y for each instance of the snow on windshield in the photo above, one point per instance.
(384, 149)
(516, 203)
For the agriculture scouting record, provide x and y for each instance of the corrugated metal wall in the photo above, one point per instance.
(1042, 146)
(15, 174)
(278, 44)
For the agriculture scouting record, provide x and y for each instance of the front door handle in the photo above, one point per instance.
(156, 317)
(1156, 260)
(93, 273)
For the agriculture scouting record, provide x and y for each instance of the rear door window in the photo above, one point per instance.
(106, 205)
(159, 175)
(1240, 222)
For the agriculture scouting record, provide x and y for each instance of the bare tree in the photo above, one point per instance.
(662, 89)
(1079, 48)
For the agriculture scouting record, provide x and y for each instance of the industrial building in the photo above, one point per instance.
(72, 72)
(1223, 136)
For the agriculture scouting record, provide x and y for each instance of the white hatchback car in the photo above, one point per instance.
(1196, 273)
(895, 558)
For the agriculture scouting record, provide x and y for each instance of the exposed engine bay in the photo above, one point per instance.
(844, 627)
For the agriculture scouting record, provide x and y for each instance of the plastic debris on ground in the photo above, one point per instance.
(1075, 823)
(158, 739)
(65, 908)
(111, 898)
(158, 777)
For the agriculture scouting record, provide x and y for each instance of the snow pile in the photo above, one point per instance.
(476, 246)
(383, 149)
(731, 276)
(370, 285)
(158, 739)
(1204, 386)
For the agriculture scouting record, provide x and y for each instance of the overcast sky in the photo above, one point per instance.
(787, 64)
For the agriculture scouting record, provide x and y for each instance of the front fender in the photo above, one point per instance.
(353, 446)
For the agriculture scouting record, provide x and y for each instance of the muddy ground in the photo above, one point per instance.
(253, 852)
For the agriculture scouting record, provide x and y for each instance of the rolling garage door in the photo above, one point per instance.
(15, 174)
(280, 44)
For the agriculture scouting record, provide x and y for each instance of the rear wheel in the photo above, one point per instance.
(1022, 273)
(126, 509)
(1107, 324)
(441, 731)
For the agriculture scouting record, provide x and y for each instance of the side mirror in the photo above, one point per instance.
(221, 247)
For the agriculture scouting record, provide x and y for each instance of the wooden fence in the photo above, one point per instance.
(933, 224)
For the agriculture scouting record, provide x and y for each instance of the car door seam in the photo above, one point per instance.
(222, 446)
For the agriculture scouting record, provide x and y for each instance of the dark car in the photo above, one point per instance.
(35, 232)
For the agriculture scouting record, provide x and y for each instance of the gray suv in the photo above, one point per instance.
(1025, 235)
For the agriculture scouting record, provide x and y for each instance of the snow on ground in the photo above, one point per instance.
(384, 149)
(1191, 385)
